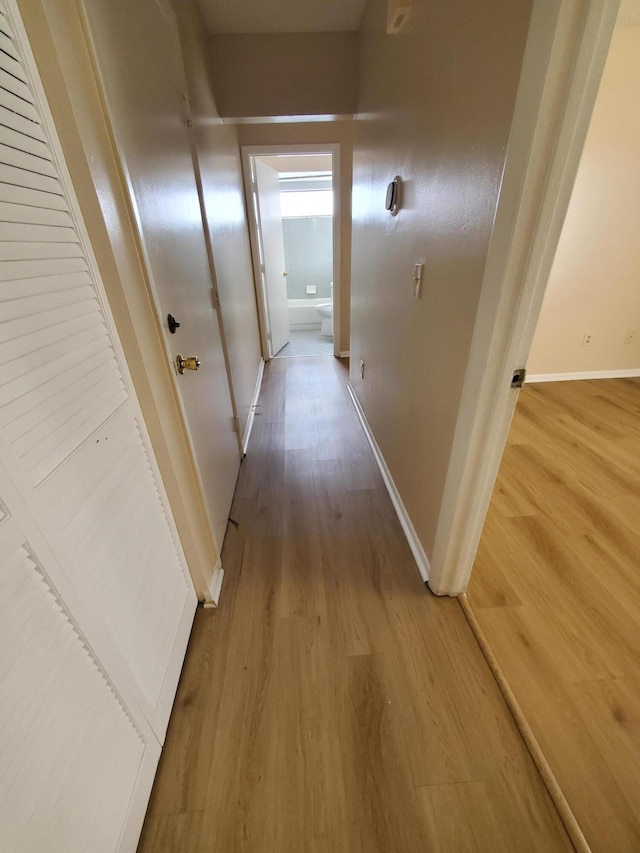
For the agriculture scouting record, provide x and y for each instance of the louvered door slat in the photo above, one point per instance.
(27, 179)
(15, 271)
(24, 375)
(11, 84)
(18, 251)
(17, 105)
(33, 215)
(22, 142)
(50, 378)
(11, 65)
(25, 307)
(6, 45)
(9, 192)
(18, 418)
(41, 285)
(10, 120)
(28, 326)
(18, 347)
(22, 159)
(29, 233)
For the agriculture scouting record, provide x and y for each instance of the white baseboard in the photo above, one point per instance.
(587, 374)
(403, 516)
(212, 595)
(345, 353)
(252, 409)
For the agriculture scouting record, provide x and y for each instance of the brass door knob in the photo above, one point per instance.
(190, 363)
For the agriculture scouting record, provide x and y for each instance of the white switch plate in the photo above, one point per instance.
(311, 288)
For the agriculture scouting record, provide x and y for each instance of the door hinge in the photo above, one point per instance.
(216, 297)
(236, 424)
(518, 378)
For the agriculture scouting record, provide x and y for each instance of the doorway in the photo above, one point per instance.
(555, 589)
(292, 199)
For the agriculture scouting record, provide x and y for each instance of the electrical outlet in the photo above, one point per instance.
(586, 341)
(630, 337)
(361, 369)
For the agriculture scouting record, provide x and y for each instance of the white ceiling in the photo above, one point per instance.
(629, 14)
(281, 16)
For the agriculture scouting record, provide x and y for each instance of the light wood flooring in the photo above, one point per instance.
(556, 589)
(331, 704)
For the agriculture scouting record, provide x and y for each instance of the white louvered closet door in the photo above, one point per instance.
(96, 601)
(75, 768)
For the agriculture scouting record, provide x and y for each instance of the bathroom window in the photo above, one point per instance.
(306, 203)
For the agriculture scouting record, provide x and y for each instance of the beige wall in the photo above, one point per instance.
(221, 172)
(594, 287)
(285, 74)
(303, 133)
(56, 36)
(435, 108)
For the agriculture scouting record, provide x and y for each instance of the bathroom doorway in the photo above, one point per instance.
(292, 196)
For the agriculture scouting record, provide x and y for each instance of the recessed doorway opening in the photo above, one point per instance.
(293, 201)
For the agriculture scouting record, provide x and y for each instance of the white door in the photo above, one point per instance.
(271, 248)
(138, 53)
(96, 602)
(76, 766)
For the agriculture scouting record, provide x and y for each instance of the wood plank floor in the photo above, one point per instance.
(331, 704)
(556, 589)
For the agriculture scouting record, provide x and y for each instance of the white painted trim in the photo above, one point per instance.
(566, 50)
(403, 516)
(345, 353)
(585, 374)
(212, 595)
(252, 409)
(138, 804)
(249, 151)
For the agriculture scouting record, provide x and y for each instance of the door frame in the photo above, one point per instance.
(249, 151)
(569, 41)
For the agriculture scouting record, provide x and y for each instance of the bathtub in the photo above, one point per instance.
(303, 314)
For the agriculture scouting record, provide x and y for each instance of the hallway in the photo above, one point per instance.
(331, 703)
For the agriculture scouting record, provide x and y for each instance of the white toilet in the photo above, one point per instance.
(326, 312)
